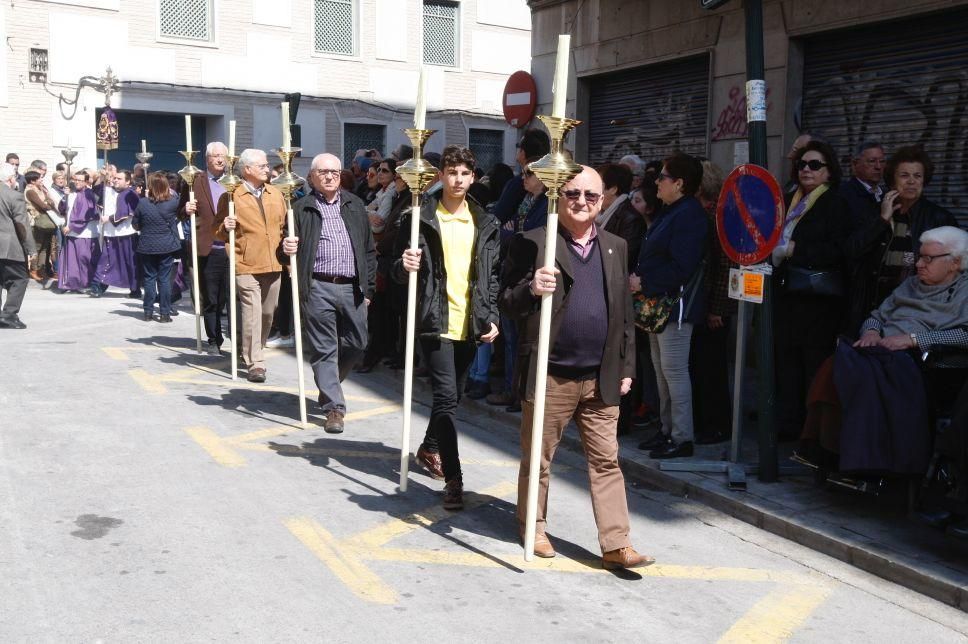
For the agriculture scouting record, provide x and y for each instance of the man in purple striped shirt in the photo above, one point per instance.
(337, 274)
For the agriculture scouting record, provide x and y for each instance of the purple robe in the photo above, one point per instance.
(80, 255)
(117, 265)
(127, 202)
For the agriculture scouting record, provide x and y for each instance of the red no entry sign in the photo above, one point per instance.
(520, 99)
(749, 215)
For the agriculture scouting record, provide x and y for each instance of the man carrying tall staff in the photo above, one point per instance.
(457, 264)
(213, 263)
(337, 277)
(590, 363)
(259, 224)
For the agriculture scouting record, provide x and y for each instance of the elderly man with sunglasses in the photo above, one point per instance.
(590, 362)
(337, 276)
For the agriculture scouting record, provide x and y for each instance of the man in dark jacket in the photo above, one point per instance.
(591, 358)
(16, 247)
(337, 275)
(457, 264)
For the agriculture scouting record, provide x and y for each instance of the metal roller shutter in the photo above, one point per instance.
(899, 83)
(650, 111)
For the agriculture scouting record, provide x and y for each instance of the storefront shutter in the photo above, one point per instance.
(899, 83)
(650, 111)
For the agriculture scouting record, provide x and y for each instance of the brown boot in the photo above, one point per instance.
(625, 557)
(454, 495)
(35, 275)
(334, 422)
(431, 462)
(542, 546)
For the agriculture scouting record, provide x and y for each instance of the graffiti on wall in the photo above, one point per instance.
(731, 123)
(887, 107)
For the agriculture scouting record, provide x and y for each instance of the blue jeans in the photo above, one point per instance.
(510, 330)
(482, 363)
(157, 272)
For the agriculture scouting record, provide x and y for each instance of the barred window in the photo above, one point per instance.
(440, 32)
(335, 27)
(191, 19)
(487, 146)
(364, 136)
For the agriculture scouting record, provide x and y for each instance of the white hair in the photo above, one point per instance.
(634, 163)
(7, 171)
(953, 240)
(210, 148)
(248, 156)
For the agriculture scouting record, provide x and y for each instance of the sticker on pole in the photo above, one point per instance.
(749, 215)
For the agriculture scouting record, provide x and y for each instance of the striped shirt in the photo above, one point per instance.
(334, 253)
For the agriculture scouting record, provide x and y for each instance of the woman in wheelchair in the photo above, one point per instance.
(871, 406)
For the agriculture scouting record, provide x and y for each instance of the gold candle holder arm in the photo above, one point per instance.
(419, 175)
(554, 170)
(288, 183)
(231, 181)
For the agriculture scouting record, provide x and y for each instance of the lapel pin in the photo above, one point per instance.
(609, 251)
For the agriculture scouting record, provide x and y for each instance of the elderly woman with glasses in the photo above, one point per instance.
(883, 249)
(876, 383)
(810, 275)
(669, 266)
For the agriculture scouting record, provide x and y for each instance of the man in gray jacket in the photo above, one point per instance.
(16, 247)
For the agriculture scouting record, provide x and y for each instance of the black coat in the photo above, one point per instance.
(156, 221)
(432, 276)
(627, 223)
(819, 241)
(867, 244)
(308, 227)
(525, 255)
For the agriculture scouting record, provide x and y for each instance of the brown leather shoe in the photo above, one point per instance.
(35, 275)
(454, 495)
(256, 374)
(542, 546)
(334, 422)
(431, 462)
(625, 558)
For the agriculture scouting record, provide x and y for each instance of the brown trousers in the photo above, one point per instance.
(597, 426)
(258, 296)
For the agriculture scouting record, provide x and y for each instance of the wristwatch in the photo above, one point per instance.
(914, 339)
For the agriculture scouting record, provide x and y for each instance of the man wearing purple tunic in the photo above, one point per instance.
(81, 251)
(116, 266)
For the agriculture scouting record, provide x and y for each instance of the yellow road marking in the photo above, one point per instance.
(148, 382)
(215, 446)
(114, 353)
(348, 568)
(777, 616)
(386, 532)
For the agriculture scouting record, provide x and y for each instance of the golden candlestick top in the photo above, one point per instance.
(416, 172)
(189, 172)
(287, 181)
(229, 180)
(555, 169)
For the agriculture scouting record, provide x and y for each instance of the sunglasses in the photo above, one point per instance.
(591, 198)
(813, 164)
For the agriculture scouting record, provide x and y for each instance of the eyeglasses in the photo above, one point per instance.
(261, 166)
(384, 171)
(591, 198)
(927, 259)
(813, 164)
(326, 172)
(666, 177)
(527, 173)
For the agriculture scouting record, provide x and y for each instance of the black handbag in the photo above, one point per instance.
(809, 281)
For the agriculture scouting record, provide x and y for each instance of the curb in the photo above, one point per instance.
(820, 538)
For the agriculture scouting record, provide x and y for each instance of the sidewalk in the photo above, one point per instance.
(872, 533)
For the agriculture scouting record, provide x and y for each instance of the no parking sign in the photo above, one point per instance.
(749, 215)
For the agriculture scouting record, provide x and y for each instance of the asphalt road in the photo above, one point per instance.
(149, 498)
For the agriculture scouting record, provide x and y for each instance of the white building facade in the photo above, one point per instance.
(354, 62)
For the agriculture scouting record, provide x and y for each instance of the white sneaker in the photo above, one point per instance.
(281, 342)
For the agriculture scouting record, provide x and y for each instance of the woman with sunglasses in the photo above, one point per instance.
(668, 266)
(810, 276)
(884, 249)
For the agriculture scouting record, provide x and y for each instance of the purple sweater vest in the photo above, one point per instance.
(577, 352)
